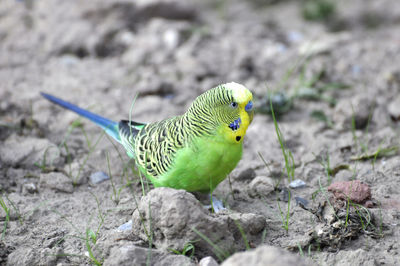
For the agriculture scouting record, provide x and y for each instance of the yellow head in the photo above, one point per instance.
(240, 112)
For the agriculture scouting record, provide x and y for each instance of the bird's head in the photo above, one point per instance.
(228, 108)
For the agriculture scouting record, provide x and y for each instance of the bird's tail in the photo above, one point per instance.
(110, 127)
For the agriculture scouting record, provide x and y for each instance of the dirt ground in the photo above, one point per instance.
(331, 71)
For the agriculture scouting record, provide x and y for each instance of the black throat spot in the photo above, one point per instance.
(238, 138)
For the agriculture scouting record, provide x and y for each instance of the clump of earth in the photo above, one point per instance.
(329, 69)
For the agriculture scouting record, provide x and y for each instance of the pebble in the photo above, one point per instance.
(356, 191)
(98, 177)
(260, 186)
(30, 188)
(301, 202)
(394, 109)
(125, 227)
(208, 261)
(298, 183)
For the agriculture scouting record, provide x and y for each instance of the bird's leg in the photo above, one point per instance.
(216, 204)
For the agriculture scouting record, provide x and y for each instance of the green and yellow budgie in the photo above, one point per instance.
(194, 151)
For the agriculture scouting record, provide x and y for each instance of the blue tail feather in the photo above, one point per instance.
(110, 127)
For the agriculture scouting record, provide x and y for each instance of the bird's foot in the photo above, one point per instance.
(216, 204)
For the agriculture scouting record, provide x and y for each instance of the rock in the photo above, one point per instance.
(266, 255)
(359, 108)
(56, 181)
(78, 173)
(28, 256)
(250, 222)
(260, 186)
(303, 203)
(29, 188)
(208, 261)
(394, 109)
(98, 177)
(176, 214)
(298, 183)
(28, 151)
(169, 9)
(353, 257)
(284, 195)
(353, 190)
(22, 256)
(126, 226)
(134, 255)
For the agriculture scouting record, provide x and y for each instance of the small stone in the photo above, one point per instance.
(98, 177)
(170, 9)
(30, 188)
(56, 181)
(284, 195)
(298, 183)
(126, 226)
(208, 261)
(355, 191)
(266, 255)
(358, 109)
(29, 152)
(260, 186)
(301, 202)
(78, 173)
(394, 109)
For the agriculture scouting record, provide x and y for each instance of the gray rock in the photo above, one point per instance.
(22, 256)
(359, 108)
(174, 214)
(170, 9)
(28, 151)
(126, 226)
(394, 109)
(28, 256)
(56, 181)
(298, 183)
(208, 261)
(355, 257)
(98, 177)
(266, 255)
(260, 186)
(134, 255)
(78, 173)
(29, 188)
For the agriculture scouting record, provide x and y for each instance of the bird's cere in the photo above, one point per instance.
(249, 106)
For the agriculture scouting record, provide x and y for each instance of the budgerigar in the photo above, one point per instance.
(194, 151)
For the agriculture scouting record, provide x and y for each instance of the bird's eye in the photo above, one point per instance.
(234, 104)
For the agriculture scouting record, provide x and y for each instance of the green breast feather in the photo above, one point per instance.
(200, 166)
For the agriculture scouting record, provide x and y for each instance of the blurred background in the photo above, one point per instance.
(170, 51)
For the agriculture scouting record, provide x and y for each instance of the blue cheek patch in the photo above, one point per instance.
(235, 125)
(249, 106)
